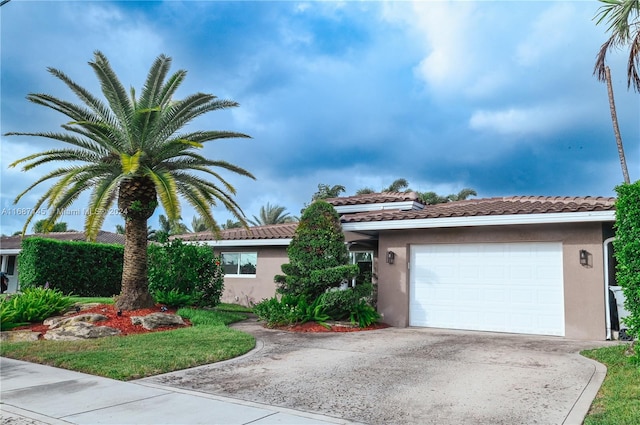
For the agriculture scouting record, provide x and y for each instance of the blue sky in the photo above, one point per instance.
(497, 96)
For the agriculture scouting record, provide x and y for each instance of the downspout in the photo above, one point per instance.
(605, 248)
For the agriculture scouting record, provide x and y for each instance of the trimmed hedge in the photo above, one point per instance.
(627, 252)
(80, 268)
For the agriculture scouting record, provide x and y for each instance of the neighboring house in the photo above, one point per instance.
(531, 265)
(10, 247)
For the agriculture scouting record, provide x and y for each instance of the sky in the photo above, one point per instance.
(497, 96)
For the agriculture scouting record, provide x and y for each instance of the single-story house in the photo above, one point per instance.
(521, 264)
(10, 247)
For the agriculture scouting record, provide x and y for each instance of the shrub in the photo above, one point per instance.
(289, 310)
(82, 268)
(318, 257)
(31, 306)
(627, 252)
(363, 314)
(187, 269)
(339, 304)
(174, 298)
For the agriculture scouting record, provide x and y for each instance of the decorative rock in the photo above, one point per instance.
(18, 336)
(55, 322)
(157, 320)
(79, 330)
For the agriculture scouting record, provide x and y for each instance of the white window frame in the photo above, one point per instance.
(240, 254)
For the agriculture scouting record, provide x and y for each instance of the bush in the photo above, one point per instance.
(318, 257)
(187, 269)
(363, 314)
(627, 253)
(31, 306)
(290, 310)
(339, 304)
(82, 268)
(174, 298)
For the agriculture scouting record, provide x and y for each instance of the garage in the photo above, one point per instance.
(500, 287)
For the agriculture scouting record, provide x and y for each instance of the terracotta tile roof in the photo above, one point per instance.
(373, 198)
(491, 206)
(15, 242)
(273, 231)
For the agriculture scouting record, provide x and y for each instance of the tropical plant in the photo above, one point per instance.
(174, 298)
(44, 226)
(318, 257)
(325, 191)
(131, 151)
(397, 186)
(31, 306)
(623, 18)
(230, 224)
(290, 310)
(198, 224)
(272, 214)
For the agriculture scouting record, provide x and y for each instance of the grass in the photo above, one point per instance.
(87, 300)
(237, 308)
(209, 340)
(618, 401)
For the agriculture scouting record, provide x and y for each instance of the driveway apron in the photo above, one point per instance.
(408, 376)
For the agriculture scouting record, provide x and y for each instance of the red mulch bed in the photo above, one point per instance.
(340, 327)
(123, 322)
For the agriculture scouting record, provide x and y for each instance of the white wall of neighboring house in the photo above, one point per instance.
(9, 266)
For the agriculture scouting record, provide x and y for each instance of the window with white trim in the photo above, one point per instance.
(239, 263)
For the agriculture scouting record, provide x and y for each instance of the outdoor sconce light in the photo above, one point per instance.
(584, 257)
(391, 256)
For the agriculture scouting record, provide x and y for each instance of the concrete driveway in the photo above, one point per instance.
(408, 376)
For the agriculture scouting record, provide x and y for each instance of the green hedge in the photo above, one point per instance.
(80, 268)
(627, 252)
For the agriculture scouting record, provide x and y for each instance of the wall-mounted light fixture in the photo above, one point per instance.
(391, 256)
(584, 257)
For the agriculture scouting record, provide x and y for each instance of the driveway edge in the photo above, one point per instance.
(581, 406)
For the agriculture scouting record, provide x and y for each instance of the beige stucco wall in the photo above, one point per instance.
(251, 290)
(583, 286)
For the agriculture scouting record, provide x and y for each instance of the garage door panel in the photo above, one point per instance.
(505, 287)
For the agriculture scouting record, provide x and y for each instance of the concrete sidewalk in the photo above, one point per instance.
(34, 394)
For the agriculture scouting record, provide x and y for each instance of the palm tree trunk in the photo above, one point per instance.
(134, 294)
(616, 129)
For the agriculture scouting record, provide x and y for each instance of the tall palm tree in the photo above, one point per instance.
(272, 214)
(130, 150)
(45, 226)
(462, 195)
(325, 191)
(623, 18)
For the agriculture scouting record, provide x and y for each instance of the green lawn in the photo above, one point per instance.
(209, 340)
(618, 401)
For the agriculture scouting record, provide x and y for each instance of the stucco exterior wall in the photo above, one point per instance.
(251, 290)
(583, 286)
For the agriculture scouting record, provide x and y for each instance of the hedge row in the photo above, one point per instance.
(80, 268)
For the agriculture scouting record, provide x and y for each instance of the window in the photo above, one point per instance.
(239, 263)
(364, 260)
(11, 265)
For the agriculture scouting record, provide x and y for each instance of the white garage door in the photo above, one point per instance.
(502, 287)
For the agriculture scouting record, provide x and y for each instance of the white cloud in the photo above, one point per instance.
(533, 120)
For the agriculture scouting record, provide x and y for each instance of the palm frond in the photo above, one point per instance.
(114, 92)
(102, 198)
(166, 187)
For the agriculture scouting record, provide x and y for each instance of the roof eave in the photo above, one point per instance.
(485, 220)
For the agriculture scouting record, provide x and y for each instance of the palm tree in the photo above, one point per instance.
(325, 191)
(272, 214)
(130, 150)
(462, 195)
(172, 227)
(198, 224)
(623, 18)
(397, 186)
(230, 224)
(45, 226)
(624, 27)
